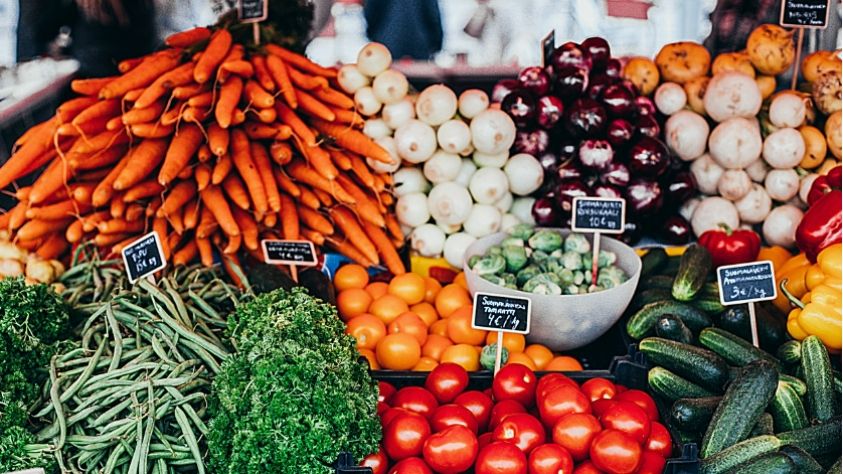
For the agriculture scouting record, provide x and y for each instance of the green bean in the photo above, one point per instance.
(150, 424)
(54, 397)
(136, 455)
(189, 437)
(126, 371)
(111, 463)
(86, 374)
(118, 338)
(104, 437)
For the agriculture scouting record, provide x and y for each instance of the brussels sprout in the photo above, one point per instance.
(571, 261)
(515, 256)
(526, 273)
(595, 289)
(553, 277)
(557, 253)
(521, 231)
(511, 241)
(583, 289)
(488, 354)
(489, 265)
(494, 279)
(495, 250)
(572, 290)
(552, 265)
(546, 240)
(606, 258)
(472, 260)
(610, 277)
(538, 257)
(542, 285)
(579, 277)
(613, 270)
(587, 276)
(566, 276)
(577, 243)
(587, 260)
(509, 279)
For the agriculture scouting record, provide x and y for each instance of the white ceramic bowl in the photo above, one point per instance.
(566, 322)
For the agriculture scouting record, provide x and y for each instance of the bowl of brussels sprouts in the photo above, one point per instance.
(553, 267)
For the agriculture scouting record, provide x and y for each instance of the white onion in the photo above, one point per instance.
(365, 101)
(436, 104)
(735, 143)
(485, 160)
(686, 133)
(503, 204)
(428, 240)
(734, 184)
(398, 114)
(525, 174)
(454, 136)
(780, 226)
(449, 229)
(376, 128)
(713, 211)
(782, 185)
(467, 151)
(351, 79)
(442, 167)
(388, 144)
(415, 141)
(731, 94)
(508, 221)
(522, 208)
(455, 247)
(488, 185)
(472, 102)
(449, 203)
(670, 98)
(784, 148)
(755, 205)
(390, 86)
(492, 131)
(483, 220)
(805, 186)
(409, 180)
(706, 173)
(411, 209)
(757, 170)
(374, 59)
(467, 170)
(787, 109)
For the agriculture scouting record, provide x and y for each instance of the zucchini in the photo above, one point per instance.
(817, 440)
(693, 414)
(764, 426)
(650, 295)
(709, 304)
(696, 364)
(836, 467)
(771, 331)
(771, 463)
(657, 282)
(671, 327)
(641, 323)
(693, 271)
(737, 351)
(738, 454)
(818, 378)
(804, 462)
(795, 383)
(653, 260)
(790, 352)
(743, 403)
(673, 387)
(787, 408)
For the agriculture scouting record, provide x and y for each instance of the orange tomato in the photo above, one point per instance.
(409, 287)
(460, 280)
(377, 289)
(388, 307)
(367, 329)
(440, 328)
(564, 363)
(540, 354)
(511, 341)
(398, 352)
(435, 346)
(409, 323)
(426, 311)
(451, 298)
(352, 302)
(431, 289)
(463, 355)
(460, 330)
(351, 276)
(523, 359)
(426, 364)
(371, 357)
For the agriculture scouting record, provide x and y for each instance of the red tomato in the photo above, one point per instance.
(651, 463)
(484, 439)
(521, 429)
(416, 400)
(587, 467)
(659, 440)
(452, 415)
(450, 451)
(405, 435)
(629, 418)
(550, 459)
(574, 432)
(500, 458)
(551, 381)
(561, 401)
(390, 414)
(411, 466)
(377, 461)
(598, 407)
(641, 399)
(446, 381)
(382, 408)
(598, 388)
(620, 388)
(479, 404)
(385, 391)
(503, 409)
(515, 382)
(615, 452)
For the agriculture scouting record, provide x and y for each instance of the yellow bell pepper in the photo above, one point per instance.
(794, 271)
(831, 260)
(776, 254)
(818, 311)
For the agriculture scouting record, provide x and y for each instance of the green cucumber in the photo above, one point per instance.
(709, 304)
(764, 426)
(818, 378)
(771, 331)
(836, 467)
(648, 296)
(739, 453)
(816, 440)
(795, 383)
(736, 350)
(770, 463)
(671, 267)
(641, 323)
(671, 327)
(711, 289)
(790, 352)
(673, 387)
(804, 462)
(787, 408)
(693, 414)
(696, 364)
(743, 403)
(657, 282)
(653, 260)
(693, 271)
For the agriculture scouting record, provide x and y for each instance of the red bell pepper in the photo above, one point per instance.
(822, 224)
(728, 247)
(833, 180)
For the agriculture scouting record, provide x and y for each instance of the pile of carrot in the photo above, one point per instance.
(212, 146)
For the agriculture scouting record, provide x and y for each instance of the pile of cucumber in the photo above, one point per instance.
(774, 409)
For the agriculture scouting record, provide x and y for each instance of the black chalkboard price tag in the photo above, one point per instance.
(746, 282)
(253, 11)
(501, 313)
(289, 252)
(805, 13)
(604, 215)
(548, 45)
(144, 257)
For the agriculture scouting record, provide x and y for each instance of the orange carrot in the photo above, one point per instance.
(221, 169)
(53, 246)
(143, 75)
(204, 99)
(206, 252)
(153, 206)
(114, 123)
(240, 67)
(17, 216)
(127, 65)
(238, 117)
(241, 156)
(152, 130)
(55, 211)
(349, 117)
(74, 232)
(35, 146)
(178, 196)
(36, 228)
(82, 192)
(145, 114)
(173, 241)
(143, 160)
(304, 81)
(232, 267)
(134, 212)
(257, 95)
(217, 139)
(181, 149)
(84, 129)
(160, 225)
(90, 87)
(299, 128)
(93, 175)
(186, 254)
(393, 226)
(188, 38)
(286, 184)
(264, 166)
(118, 226)
(346, 248)
(51, 180)
(300, 172)
(262, 131)
(289, 218)
(325, 198)
(207, 224)
(175, 220)
(265, 115)
(214, 200)
(236, 190)
(233, 245)
(89, 222)
(334, 97)
(104, 108)
(270, 220)
(229, 97)
(315, 221)
(22, 194)
(64, 113)
(195, 114)
(117, 208)
(133, 95)
(281, 152)
(353, 140)
(97, 159)
(278, 71)
(346, 221)
(202, 174)
(311, 106)
(188, 91)
(214, 53)
(191, 215)
(387, 252)
(340, 159)
(203, 154)
(262, 73)
(319, 159)
(143, 190)
(300, 62)
(367, 209)
(313, 236)
(308, 198)
(39, 161)
(248, 228)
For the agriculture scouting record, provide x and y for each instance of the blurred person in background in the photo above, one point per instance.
(409, 28)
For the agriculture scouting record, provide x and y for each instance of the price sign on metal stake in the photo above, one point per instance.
(805, 13)
(144, 257)
(289, 252)
(253, 11)
(501, 314)
(747, 283)
(601, 216)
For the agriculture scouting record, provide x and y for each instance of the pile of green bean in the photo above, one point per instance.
(130, 396)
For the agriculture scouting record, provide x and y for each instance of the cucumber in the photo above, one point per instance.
(673, 387)
(696, 364)
(804, 462)
(671, 327)
(788, 411)
(737, 351)
(764, 426)
(671, 267)
(836, 467)
(648, 296)
(693, 271)
(817, 440)
(818, 378)
(795, 383)
(738, 454)
(771, 463)
(693, 414)
(710, 289)
(641, 323)
(771, 331)
(790, 352)
(709, 304)
(653, 260)
(657, 282)
(743, 403)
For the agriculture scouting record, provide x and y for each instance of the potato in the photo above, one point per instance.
(815, 147)
(766, 84)
(643, 73)
(826, 92)
(771, 49)
(695, 90)
(737, 61)
(819, 62)
(833, 132)
(683, 61)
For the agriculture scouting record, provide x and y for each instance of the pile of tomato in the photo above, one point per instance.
(522, 424)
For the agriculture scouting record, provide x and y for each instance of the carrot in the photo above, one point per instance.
(311, 106)
(233, 244)
(240, 67)
(232, 267)
(270, 220)
(178, 196)
(134, 212)
(215, 52)
(257, 95)
(393, 226)
(22, 194)
(289, 218)
(74, 232)
(176, 222)
(117, 208)
(386, 177)
(188, 38)
(195, 114)
(202, 174)
(346, 248)
(145, 114)
(300, 172)
(262, 131)
(181, 149)
(143, 75)
(17, 216)
(90, 87)
(319, 159)
(52, 247)
(173, 241)
(107, 240)
(117, 248)
(236, 190)
(142, 161)
(278, 70)
(133, 94)
(152, 206)
(47, 157)
(51, 180)
(304, 81)
(221, 169)
(300, 62)
(83, 192)
(117, 226)
(324, 197)
(265, 115)
(143, 190)
(97, 159)
(214, 200)
(340, 159)
(206, 253)
(35, 146)
(29, 245)
(334, 97)
(264, 166)
(349, 117)
(84, 129)
(207, 224)
(114, 123)
(89, 222)
(262, 73)
(353, 140)
(191, 215)
(104, 108)
(286, 184)
(367, 209)
(248, 228)
(281, 152)
(36, 228)
(55, 211)
(387, 251)
(346, 221)
(315, 221)
(218, 139)
(64, 113)
(229, 97)
(159, 226)
(152, 130)
(205, 99)
(127, 65)
(241, 156)
(313, 236)
(299, 128)
(203, 154)
(186, 254)
(308, 198)
(238, 118)
(188, 91)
